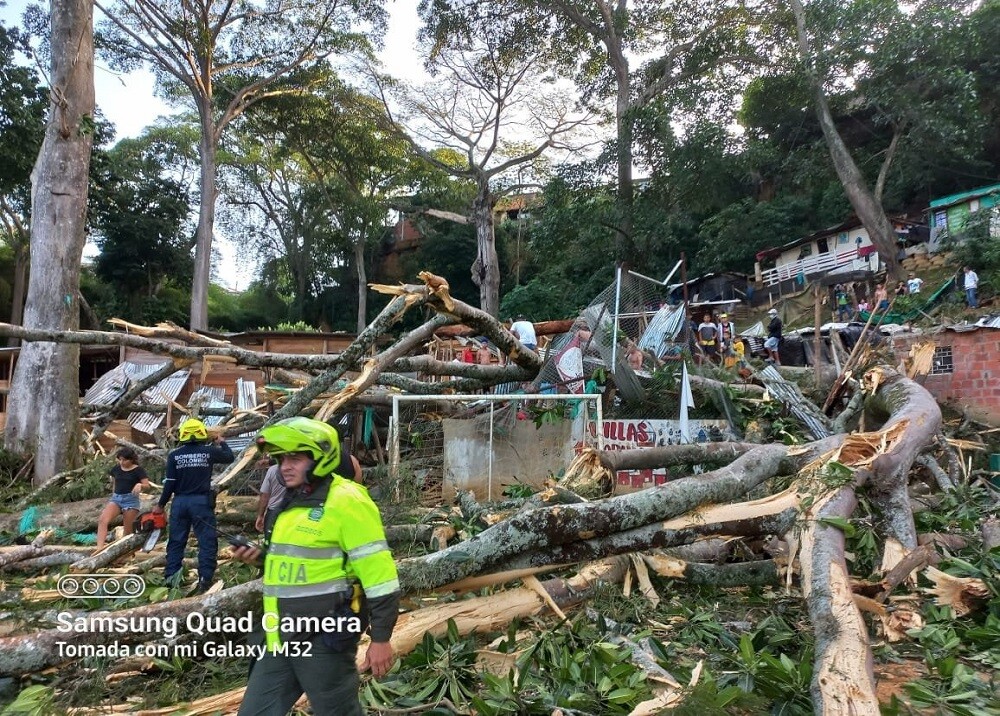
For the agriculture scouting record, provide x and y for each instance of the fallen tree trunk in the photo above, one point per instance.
(26, 551)
(119, 548)
(243, 356)
(409, 534)
(47, 561)
(542, 328)
(551, 527)
(657, 535)
(670, 455)
(65, 516)
(915, 417)
(843, 679)
(497, 610)
(736, 574)
(990, 530)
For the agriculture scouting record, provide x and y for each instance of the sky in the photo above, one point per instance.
(128, 100)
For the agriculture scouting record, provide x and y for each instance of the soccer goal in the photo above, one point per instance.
(444, 444)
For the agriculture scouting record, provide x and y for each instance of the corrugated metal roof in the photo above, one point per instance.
(113, 384)
(989, 322)
(246, 399)
(663, 328)
(789, 394)
(963, 196)
(210, 397)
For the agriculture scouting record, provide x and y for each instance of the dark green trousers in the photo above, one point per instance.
(329, 678)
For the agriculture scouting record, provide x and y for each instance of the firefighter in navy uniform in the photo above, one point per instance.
(326, 556)
(188, 480)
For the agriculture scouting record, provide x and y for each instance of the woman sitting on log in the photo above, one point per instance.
(128, 478)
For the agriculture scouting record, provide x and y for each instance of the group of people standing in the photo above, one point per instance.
(715, 338)
(846, 311)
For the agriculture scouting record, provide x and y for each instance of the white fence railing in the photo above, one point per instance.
(820, 263)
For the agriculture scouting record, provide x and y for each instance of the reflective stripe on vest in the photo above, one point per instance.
(380, 590)
(291, 550)
(366, 550)
(332, 586)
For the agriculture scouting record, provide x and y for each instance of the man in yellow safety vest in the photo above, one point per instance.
(327, 572)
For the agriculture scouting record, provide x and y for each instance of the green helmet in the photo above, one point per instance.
(306, 435)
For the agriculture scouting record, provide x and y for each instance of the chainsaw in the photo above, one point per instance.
(153, 523)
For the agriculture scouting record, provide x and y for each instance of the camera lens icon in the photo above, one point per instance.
(102, 586)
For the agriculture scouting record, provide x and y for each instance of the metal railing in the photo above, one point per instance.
(820, 263)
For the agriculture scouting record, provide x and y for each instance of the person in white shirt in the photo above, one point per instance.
(727, 332)
(525, 332)
(971, 283)
(913, 284)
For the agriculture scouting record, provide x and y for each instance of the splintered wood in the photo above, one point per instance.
(962, 594)
(921, 360)
(859, 450)
(414, 294)
(585, 473)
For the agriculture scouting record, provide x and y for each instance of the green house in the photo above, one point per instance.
(964, 215)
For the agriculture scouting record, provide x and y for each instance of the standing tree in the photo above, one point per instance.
(138, 215)
(43, 409)
(865, 201)
(493, 110)
(352, 155)
(226, 56)
(283, 216)
(687, 41)
(690, 41)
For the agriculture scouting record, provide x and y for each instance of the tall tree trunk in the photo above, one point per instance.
(359, 262)
(486, 270)
(206, 220)
(863, 201)
(624, 248)
(44, 399)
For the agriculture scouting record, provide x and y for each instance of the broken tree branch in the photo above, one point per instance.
(843, 680)
(120, 406)
(126, 545)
